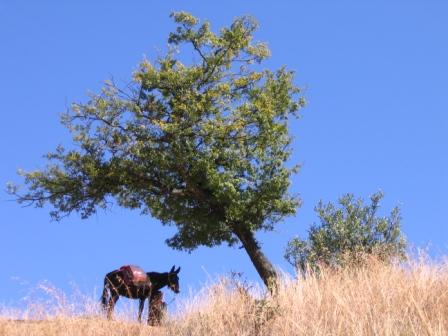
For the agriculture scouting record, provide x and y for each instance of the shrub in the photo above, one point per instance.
(347, 234)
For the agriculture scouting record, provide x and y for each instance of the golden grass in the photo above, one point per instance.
(379, 299)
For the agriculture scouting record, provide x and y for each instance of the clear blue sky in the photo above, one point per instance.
(375, 76)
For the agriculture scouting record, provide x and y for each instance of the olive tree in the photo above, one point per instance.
(347, 233)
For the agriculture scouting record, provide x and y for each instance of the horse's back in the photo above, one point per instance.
(111, 275)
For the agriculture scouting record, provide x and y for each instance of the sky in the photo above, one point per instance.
(374, 74)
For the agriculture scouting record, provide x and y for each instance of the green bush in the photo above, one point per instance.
(347, 233)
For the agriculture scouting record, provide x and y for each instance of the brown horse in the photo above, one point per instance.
(115, 286)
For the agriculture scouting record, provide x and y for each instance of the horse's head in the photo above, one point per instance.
(173, 279)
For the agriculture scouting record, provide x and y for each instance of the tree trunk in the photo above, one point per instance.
(262, 264)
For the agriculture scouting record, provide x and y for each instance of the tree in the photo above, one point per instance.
(200, 146)
(347, 233)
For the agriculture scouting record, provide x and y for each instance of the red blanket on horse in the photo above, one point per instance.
(134, 275)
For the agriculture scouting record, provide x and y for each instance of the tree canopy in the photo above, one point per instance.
(200, 145)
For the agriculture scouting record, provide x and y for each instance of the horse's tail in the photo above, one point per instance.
(106, 293)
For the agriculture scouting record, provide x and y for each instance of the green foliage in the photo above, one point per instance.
(347, 234)
(200, 146)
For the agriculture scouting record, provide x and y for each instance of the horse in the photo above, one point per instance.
(115, 286)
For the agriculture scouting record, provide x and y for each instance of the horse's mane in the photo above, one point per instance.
(157, 274)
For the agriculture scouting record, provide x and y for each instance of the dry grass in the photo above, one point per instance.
(376, 300)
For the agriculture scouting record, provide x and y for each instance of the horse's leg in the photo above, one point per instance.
(149, 307)
(105, 295)
(140, 309)
(112, 301)
(150, 312)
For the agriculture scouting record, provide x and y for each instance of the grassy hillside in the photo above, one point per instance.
(380, 299)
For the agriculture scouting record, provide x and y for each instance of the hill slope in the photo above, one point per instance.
(376, 300)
